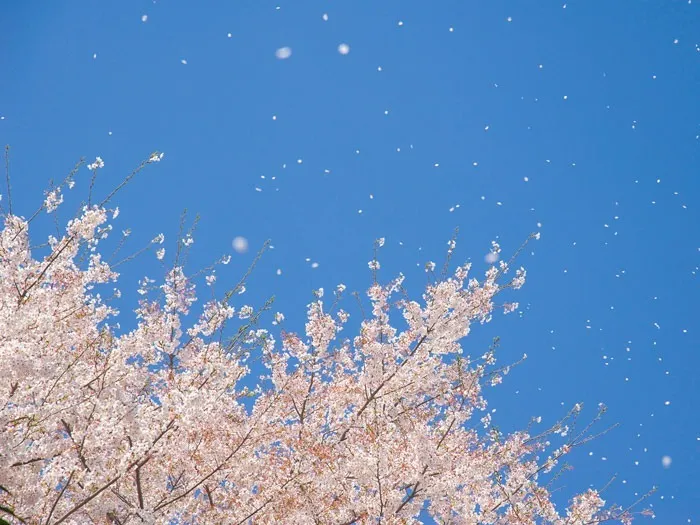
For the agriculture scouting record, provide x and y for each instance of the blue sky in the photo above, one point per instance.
(578, 120)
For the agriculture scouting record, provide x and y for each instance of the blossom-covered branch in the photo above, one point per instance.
(156, 425)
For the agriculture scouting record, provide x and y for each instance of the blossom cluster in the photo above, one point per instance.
(166, 423)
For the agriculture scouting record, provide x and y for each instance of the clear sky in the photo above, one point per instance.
(578, 120)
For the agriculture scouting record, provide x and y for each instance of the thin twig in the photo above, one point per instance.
(7, 178)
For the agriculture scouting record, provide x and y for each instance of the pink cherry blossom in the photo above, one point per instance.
(163, 423)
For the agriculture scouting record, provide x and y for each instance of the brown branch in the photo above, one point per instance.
(60, 494)
(253, 513)
(30, 461)
(373, 395)
(52, 259)
(211, 500)
(78, 448)
(139, 490)
(449, 428)
(205, 478)
(380, 493)
(414, 492)
(284, 486)
(87, 500)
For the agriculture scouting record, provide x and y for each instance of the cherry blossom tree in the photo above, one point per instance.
(164, 423)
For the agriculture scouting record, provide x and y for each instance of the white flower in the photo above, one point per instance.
(510, 307)
(99, 163)
(211, 279)
(380, 242)
(245, 312)
(155, 157)
(340, 288)
(279, 317)
(53, 200)
(373, 265)
(86, 225)
(188, 240)
(158, 239)
(519, 279)
(160, 254)
(115, 214)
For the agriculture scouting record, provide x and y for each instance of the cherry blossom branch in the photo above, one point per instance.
(86, 500)
(139, 489)
(60, 495)
(77, 447)
(205, 478)
(52, 258)
(267, 502)
(7, 178)
(126, 180)
(374, 393)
